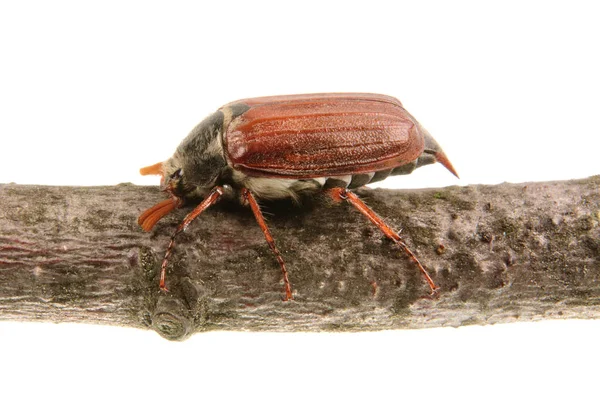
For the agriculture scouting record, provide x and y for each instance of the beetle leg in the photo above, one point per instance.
(339, 194)
(211, 199)
(249, 197)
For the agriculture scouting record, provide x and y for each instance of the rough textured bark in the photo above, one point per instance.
(510, 252)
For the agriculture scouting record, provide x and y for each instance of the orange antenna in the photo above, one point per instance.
(155, 169)
(151, 216)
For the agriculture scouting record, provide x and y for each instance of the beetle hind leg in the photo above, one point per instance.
(339, 194)
(249, 197)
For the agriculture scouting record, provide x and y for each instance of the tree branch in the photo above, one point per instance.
(510, 252)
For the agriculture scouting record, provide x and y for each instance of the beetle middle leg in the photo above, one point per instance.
(249, 197)
(339, 194)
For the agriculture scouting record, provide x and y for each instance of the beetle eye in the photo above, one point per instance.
(177, 174)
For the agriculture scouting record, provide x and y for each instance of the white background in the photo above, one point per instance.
(91, 93)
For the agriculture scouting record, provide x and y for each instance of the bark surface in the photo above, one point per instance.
(510, 252)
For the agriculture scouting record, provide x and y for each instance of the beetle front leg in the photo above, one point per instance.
(211, 199)
(339, 194)
(249, 197)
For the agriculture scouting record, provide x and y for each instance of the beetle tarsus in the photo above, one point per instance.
(352, 198)
(435, 292)
(163, 268)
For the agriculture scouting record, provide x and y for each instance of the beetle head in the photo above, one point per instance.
(191, 176)
(179, 183)
(191, 172)
(198, 161)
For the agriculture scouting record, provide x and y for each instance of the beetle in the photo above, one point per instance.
(277, 147)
